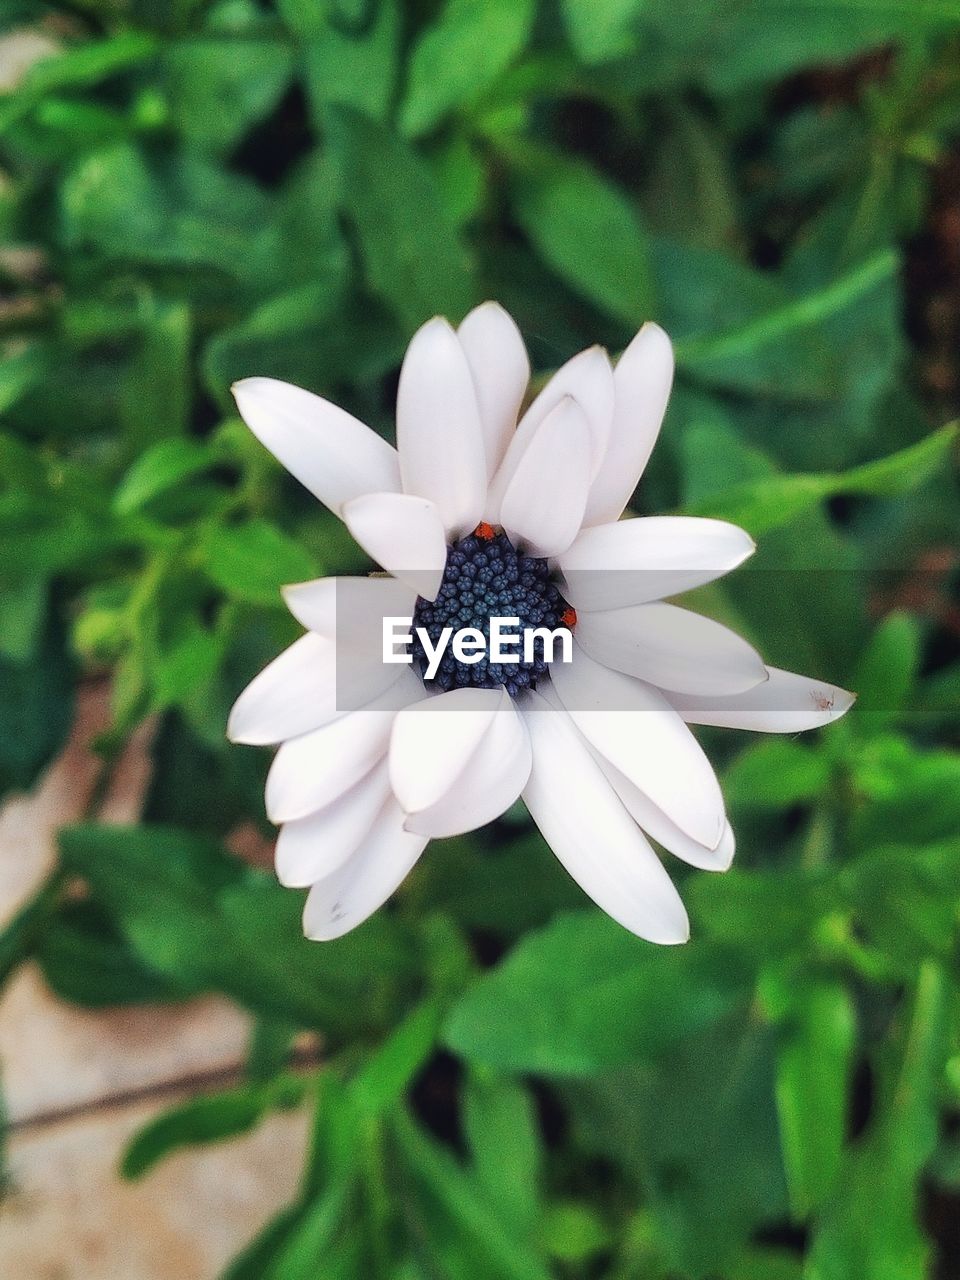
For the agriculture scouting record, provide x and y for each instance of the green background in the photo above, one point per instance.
(514, 1088)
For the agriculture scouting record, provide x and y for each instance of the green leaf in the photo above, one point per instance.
(539, 1011)
(255, 1260)
(762, 505)
(729, 46)
(938, 698)
(460, 56)
(573, 1232)
(713, 454)
(83, 64)
(36, 708)
(84, 960)
(447, 1195)
(887, 672)
(197, 916)
(774, 501)
(944, 1168)
(691, 193)
(870, 1227)
(164, 466)
(774, 774)
(23, 610)
(503, 1136)
(188, 663)
(303, 17)
(184, 209)
(311, 336)
(271, 1043)
(45, 535)
(388, 1073)
(197, 1121)
(202, 784)
(252, 561)
(175, 210)
(312, 1234)
(801, 600)
(707, 292)
(412, 255)
(23, 934)
(333, 1152)
(307, 221)
(697, 1130)
(912, 795)
(459, 170)
(219, 87)
(589, 233)
(350, 64)
(601, 30)
(156, 396)
(314, 1226)
(903, 897)
(827, 351)
(762, 914)
(484, 885)
(906, 468)
(766, 1264)
(798, 314)
(818, 1034)
(21, 371)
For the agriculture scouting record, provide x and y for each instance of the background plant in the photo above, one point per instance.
(513, 1087)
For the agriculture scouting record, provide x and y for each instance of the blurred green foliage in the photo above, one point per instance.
(514, 1088)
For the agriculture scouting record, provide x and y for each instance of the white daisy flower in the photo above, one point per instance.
(476, 516)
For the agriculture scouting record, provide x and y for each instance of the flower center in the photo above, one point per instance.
(486, 577)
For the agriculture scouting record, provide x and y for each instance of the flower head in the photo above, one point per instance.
(479, 518)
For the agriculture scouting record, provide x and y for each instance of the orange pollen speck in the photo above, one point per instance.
(485, 532)
(569, 617)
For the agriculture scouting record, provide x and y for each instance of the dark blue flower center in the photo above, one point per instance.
(486, 577)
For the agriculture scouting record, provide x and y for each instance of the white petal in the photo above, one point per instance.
(659, 827)
(649, 558)
(354, 891)
(588, 379)
(786, 703)
(434, 740)
(492, 780)
(404, 534)
(326, 448)
(501, 370)
(341, 607)
(543, 505)
(314, 603)
(439, 436)
(308, 685)
(642, 380)
(633, 726)
(311, 848)
(311, 683)
(290, 696)
(592, 834)
(312, 771)
(352, 612)
(672, 648)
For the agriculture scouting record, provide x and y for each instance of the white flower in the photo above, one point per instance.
(599, 749)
